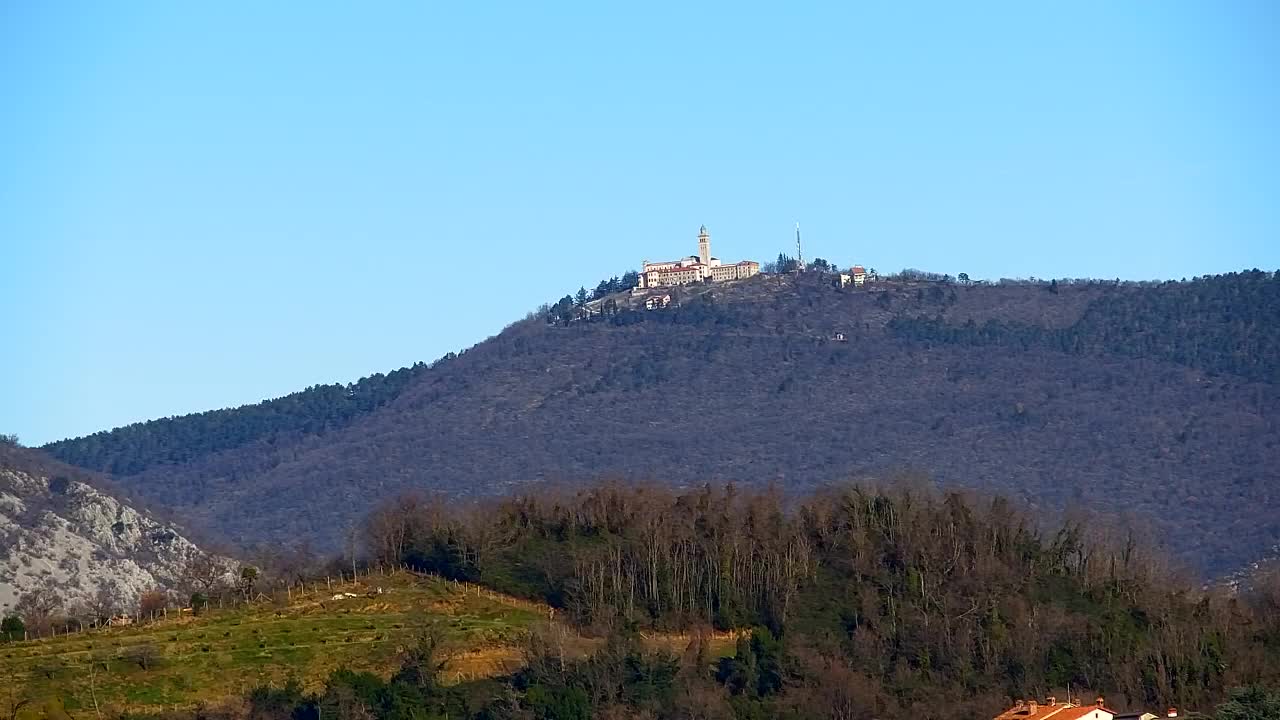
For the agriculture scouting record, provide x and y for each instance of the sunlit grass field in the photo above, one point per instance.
(184, 662)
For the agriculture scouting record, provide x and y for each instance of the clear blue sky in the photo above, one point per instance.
(206, 207)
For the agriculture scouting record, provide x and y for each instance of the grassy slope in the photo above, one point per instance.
(225, 651)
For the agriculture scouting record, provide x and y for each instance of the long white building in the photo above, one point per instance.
(695, 268)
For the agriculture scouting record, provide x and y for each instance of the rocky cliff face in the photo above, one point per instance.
(59, 533)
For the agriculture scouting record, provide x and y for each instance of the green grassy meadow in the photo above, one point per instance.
(182, 662)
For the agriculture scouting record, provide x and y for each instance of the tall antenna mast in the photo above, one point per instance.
(799, 255)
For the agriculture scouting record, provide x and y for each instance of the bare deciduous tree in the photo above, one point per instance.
(205, 573)
(106, 602)
(38, 608)
(152, 603)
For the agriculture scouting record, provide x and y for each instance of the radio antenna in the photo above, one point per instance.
(799, 255)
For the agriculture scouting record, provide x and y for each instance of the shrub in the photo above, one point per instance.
(12, 628)
(145, 656)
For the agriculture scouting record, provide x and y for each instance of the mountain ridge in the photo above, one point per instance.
(749, 381)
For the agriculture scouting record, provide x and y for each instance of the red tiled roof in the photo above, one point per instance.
(1056, 711)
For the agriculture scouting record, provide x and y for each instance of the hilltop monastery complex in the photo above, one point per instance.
(695, 268)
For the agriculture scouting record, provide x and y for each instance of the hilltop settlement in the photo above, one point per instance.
(652, 287)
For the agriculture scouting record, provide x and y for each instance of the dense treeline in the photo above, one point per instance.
(134, 448)
(864, 603)
(614, 554)
(1218, 324)
(910, 596)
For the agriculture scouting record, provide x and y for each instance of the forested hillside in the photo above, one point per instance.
(1154, 401)
(134, 448)
(1221, 325)
(850, 603)
(894, 602)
